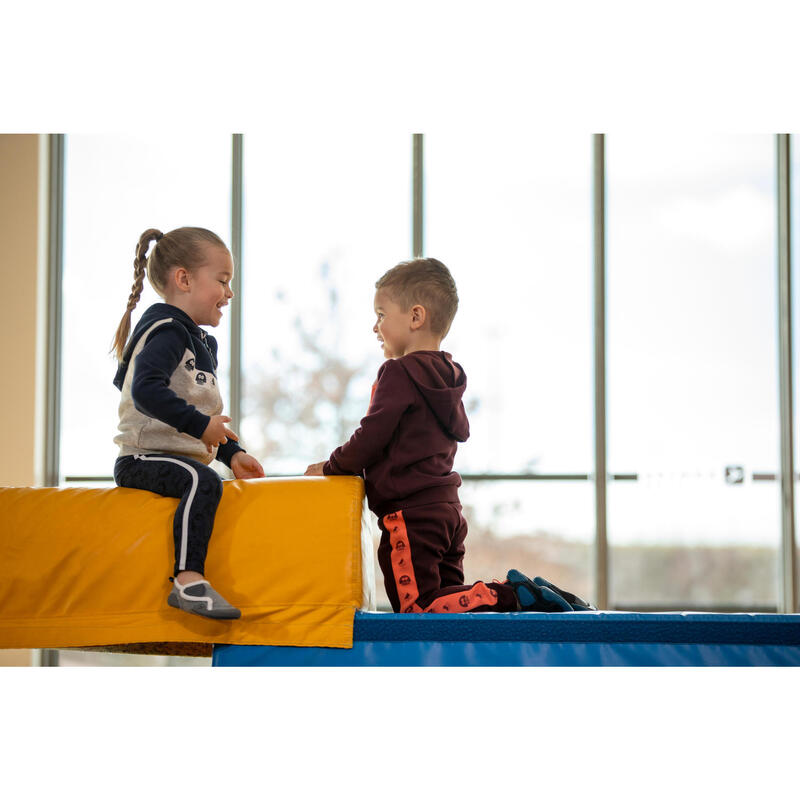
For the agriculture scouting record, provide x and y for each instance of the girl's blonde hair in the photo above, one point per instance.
(182, 247)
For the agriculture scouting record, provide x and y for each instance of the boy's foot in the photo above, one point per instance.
(199, 598)
(533, 597)
(573, 599)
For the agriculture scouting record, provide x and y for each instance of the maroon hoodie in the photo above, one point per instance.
(405, 446)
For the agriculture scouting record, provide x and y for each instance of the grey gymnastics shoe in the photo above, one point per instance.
(199, 598)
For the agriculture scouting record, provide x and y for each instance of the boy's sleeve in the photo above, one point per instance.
(391, 399)
(150, 389)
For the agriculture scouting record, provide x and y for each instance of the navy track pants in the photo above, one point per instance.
(199, 489)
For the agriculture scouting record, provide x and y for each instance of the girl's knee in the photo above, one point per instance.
(212, 483)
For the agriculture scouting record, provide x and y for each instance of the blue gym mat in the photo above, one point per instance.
(587, 638)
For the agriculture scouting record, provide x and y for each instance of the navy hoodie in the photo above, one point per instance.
(405, 445)
(168, 380)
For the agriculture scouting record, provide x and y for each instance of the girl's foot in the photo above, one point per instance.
(199, 598)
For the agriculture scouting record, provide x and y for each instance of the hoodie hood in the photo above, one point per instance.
(441, 382)
(156, 312)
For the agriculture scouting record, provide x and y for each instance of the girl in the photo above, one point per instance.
(170, 419)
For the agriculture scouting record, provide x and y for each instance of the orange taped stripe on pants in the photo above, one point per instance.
(458, 602)
(405, 579)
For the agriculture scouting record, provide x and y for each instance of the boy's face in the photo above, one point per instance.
(393, 325)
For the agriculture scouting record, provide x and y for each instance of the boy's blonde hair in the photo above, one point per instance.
(426, 282)
(182, 247)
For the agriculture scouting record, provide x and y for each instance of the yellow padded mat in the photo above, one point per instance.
(90, 567)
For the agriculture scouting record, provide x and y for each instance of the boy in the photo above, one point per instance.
(405, 447)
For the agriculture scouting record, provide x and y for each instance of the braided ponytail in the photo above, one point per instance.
(139, 269)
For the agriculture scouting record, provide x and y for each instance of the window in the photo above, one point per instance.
(692, 383)
(325, 216)
(511, 217)
(692, 370)
(115, 188)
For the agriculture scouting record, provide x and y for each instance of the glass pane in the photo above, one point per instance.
(115, 188)
(510, 215)
(326, 214)
(538, 527)
(692, 370)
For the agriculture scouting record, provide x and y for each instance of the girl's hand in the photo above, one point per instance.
(245, 466)
(217, 433)
(315, 469)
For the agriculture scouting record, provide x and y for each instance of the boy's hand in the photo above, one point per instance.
(217, 433)
(315, 469)
(245, 466)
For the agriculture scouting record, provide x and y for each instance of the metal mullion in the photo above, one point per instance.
(466, 476)
(237, 203)
(417, 201)
(55, 267)
(55, 264)
(542, 476)
(788, 571)
(600, 474)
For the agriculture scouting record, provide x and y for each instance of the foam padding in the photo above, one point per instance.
(91, 567)
(585, 638)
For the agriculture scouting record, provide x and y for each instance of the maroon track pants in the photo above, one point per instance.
(421, 554)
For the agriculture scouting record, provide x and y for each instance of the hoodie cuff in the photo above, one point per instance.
(329, 469)
(226, 452)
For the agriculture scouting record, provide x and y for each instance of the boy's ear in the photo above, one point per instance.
(418, 317)
(180, 277)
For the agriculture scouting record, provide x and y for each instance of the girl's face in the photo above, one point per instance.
(393, 325)
(208, 288)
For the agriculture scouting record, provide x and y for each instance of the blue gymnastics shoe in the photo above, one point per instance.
(575, 602)
(533, 597)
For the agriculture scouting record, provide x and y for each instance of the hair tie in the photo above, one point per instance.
(159, 237)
